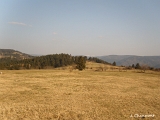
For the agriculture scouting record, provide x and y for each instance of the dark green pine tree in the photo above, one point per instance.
(137, 66)
(81, 63)
(114, 63)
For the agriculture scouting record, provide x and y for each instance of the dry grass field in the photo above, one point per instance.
(79, 95)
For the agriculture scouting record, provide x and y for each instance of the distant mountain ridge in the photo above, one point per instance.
(126, 60)
(13, 54)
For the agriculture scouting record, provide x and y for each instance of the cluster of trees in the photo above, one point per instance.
(142, 67)
(56, 60)
(42, 62)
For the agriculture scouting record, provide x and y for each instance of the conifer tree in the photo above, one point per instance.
(81, 63)
(114, 63)
(137, 66)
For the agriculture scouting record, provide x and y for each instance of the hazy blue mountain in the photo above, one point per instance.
(126, 60)
(157, 66)
(112, 58)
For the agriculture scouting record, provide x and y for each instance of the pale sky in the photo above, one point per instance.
(81, 27)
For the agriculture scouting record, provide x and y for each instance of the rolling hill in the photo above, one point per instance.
(13, 54)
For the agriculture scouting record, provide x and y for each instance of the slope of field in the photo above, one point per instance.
(78, 95)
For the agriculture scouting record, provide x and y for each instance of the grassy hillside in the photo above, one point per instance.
(13, 54)
(60, 94)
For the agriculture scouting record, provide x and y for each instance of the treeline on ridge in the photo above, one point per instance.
(97, 60)
(43, 62)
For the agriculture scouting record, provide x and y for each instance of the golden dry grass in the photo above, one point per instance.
(78, 95)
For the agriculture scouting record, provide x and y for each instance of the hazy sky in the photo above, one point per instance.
(81, 27)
